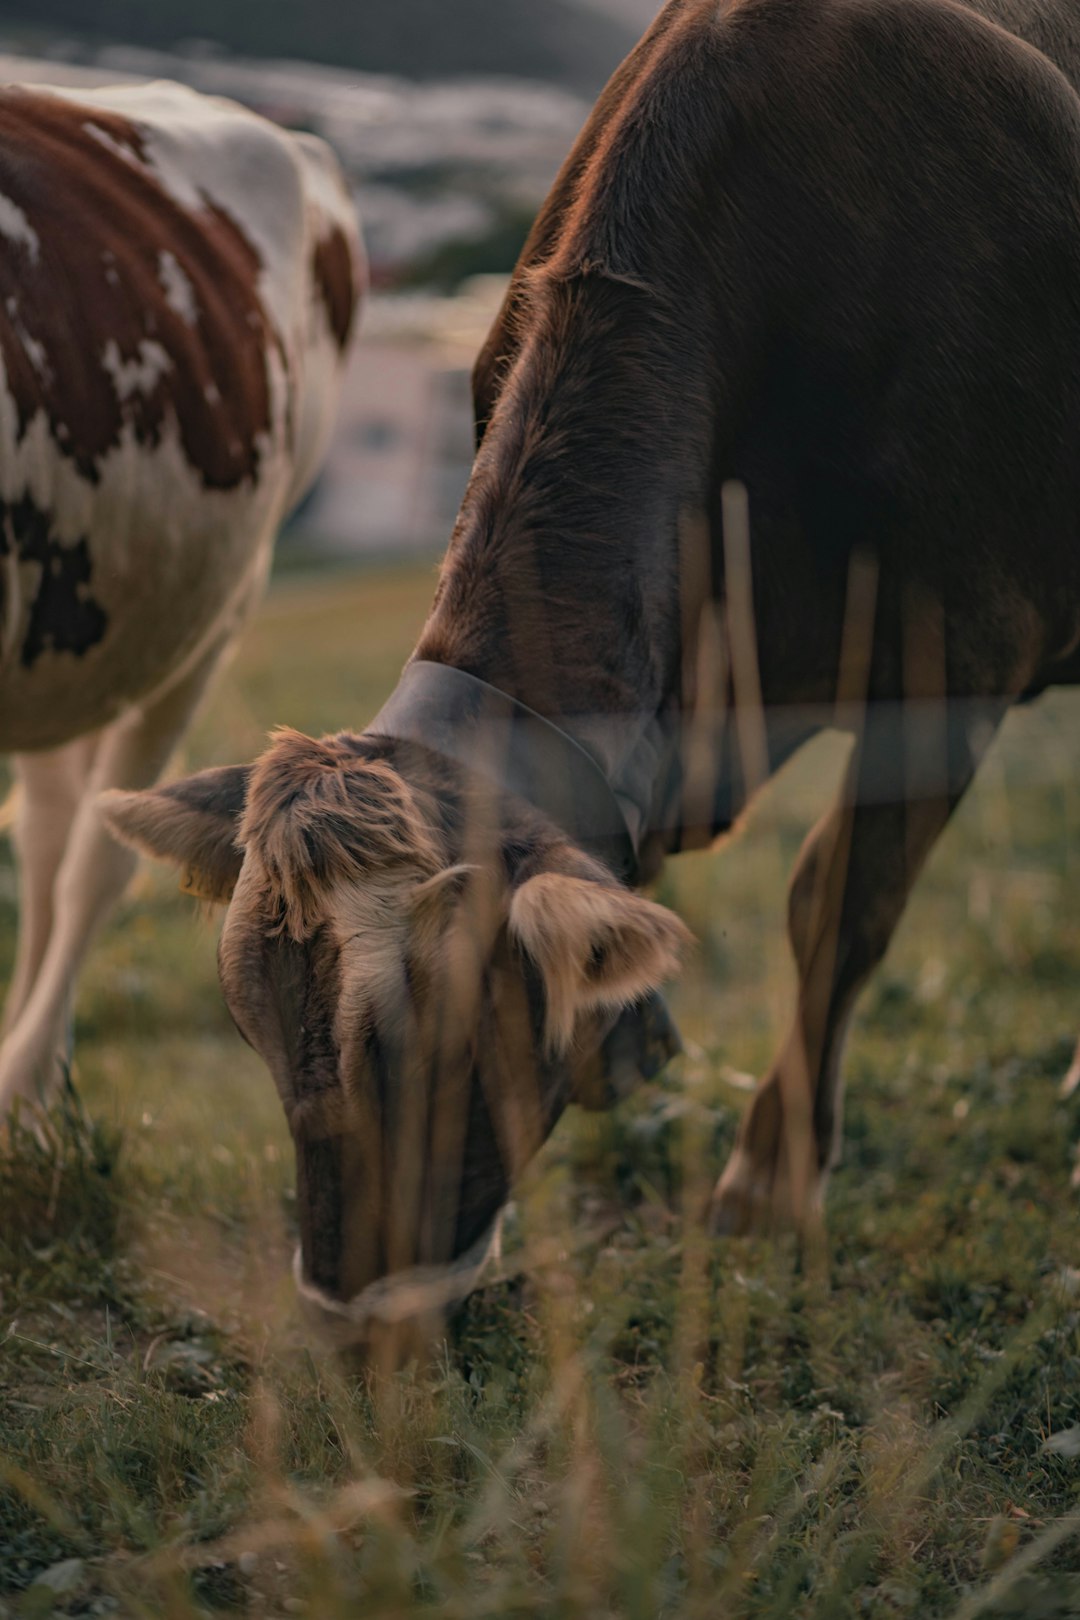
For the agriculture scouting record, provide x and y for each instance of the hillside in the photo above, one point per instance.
(560, 40)
(636, 14)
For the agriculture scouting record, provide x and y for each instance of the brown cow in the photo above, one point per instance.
(829, 249)
(178, 280)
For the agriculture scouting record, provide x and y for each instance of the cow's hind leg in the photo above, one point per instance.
(92, 874)
(848, 892)
(50, 788)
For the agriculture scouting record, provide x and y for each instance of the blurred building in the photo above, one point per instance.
(403, 448)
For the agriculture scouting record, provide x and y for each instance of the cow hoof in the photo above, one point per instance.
(27, 1083)
(742, 1202)
(756, 1197)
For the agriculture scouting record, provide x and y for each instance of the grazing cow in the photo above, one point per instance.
(829, 249)
(178, 282)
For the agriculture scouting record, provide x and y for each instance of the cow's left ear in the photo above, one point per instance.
(192, 823)
(595, 945)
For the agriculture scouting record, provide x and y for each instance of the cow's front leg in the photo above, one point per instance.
(1071, 1081)
(848, 892)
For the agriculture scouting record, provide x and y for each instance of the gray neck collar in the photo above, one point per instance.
(464, 719)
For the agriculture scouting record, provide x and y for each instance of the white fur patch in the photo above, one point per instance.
(179, 293)
(35, 353)
(103, 138)
(370, 922)
(17, 228)
(32, 348)
(141, 374)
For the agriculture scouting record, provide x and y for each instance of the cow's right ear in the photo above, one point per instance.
(192, 823)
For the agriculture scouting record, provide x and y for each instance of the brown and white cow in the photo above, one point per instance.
(828, 249)
(178, 283)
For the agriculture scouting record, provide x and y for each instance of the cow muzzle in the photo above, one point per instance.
(418, 1295)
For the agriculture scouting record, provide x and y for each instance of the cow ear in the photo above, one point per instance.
(192, 823)
(595, 945)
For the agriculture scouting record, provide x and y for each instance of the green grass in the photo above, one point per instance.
(630, 1421)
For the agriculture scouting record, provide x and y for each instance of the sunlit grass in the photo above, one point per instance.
(628, 1420)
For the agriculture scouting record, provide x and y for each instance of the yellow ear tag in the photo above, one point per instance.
(189, 885)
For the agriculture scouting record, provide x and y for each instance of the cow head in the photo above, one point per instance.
(428, 970)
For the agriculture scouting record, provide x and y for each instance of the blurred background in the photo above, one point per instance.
(452, 120)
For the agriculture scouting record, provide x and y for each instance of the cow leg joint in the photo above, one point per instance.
(848, 893)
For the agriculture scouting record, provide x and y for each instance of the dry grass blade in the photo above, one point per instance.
(1022, 1563)
(742, 639)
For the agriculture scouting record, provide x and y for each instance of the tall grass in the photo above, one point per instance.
(628, 1419)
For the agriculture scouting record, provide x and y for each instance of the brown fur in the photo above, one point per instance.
(318, 815)
(829, 249)
(335, 277)
(76, 191)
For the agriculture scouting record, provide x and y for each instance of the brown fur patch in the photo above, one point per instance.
(596, 946)
(93, 284)
(319, 813)
(334, 272)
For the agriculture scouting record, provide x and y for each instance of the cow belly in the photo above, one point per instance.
(107, 591)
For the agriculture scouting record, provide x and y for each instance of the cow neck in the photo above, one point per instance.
(559, 593)
(494, 735)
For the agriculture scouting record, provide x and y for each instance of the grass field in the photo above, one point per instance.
(628, 1421)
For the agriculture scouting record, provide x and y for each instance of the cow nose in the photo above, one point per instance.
(364, 1343)
(327, 1319)
(397, 1306)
